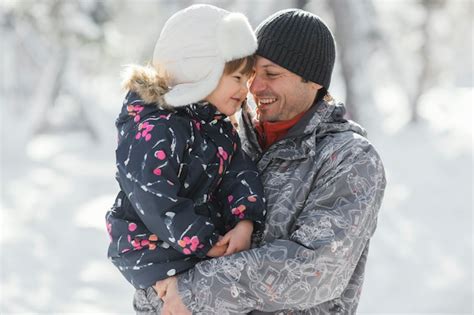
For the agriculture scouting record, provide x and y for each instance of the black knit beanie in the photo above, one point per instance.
(300, 42)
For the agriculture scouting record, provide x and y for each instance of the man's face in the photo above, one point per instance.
(279, 93)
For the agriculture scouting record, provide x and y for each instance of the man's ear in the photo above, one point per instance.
(315, 86)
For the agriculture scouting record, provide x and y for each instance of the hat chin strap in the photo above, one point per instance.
(235, 37)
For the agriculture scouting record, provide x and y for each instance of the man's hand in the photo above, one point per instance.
(172, 301)
(161, 286)
(237, 239)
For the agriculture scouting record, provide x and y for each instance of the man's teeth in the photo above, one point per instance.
(265, 101)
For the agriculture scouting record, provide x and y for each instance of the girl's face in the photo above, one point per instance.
(230, 92)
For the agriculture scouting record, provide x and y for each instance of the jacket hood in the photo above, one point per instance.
(147, 84)
(146, 90)
(323, 118)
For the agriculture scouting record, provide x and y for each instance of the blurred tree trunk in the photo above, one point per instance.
(61, 40)
(355, 32)
(426, 73)
(46, 92)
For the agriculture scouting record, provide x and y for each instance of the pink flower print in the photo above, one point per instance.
(183, 242)
(223, 153)
(252, 198)
(143, 131)
(186, 251)
(190, 244)
(132, 227)
(152, 240)
(221, 166)
(160, 155)
(157, 171)
(239, 211)
(139, 244)
(134, 111)
(136, 244)
(230, 198)
(197, 124)
(194, 243)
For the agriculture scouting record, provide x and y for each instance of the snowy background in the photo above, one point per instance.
(405, 71)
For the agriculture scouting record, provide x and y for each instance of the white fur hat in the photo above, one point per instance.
(194, 46)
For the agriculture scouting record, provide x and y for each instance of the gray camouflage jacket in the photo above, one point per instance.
(324, 184)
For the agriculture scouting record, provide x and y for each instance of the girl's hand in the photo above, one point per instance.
(239, 238)
(217, 250)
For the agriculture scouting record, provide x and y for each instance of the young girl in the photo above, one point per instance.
(184, 180)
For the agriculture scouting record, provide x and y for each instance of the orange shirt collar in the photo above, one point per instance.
(270, 132)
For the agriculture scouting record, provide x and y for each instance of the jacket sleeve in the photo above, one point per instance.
(148, 170)
(241, 192)
(317, 261)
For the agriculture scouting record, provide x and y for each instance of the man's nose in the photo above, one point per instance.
(257, 85)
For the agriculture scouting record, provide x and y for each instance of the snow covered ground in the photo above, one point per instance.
(56, 189)
(421, 255)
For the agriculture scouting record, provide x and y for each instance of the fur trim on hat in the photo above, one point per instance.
(235, 37)
(146, 82)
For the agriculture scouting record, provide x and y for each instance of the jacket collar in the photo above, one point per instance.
(300, 142)
(292, 146)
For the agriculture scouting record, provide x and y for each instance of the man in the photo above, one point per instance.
(324, 184)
